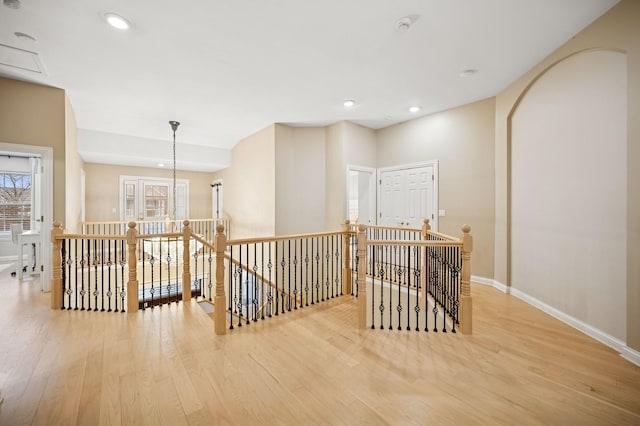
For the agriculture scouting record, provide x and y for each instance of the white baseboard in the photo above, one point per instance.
(618, 345)
(631, 355)
(488, 281)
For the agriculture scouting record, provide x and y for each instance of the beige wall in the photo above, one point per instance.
(461, 139)
(249, 185)
(617, 29)
(568, 190)
(103, 190)
(73, 168)
(299, 180)
(360, 145)
(31, 114)
(335, 177)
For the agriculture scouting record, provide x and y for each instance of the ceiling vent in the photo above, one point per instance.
(21, 59)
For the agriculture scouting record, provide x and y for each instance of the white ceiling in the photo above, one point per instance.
(228, 68)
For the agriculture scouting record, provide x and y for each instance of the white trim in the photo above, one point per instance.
(436, 183)
(599, 335)
(618, 345)
(372, 184)
(631, 355)
(488, 281)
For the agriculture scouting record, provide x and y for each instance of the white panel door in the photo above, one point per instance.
(392, 197)
(407, 196)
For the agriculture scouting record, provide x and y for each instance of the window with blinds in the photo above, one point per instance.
(15, 200)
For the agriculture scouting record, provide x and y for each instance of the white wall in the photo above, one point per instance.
(569, 190)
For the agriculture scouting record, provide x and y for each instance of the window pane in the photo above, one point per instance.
(15, 200)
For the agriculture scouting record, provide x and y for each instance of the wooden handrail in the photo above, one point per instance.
(125, 222)
(282, 238)
(418, 243)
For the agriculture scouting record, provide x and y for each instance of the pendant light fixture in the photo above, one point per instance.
(174, 126)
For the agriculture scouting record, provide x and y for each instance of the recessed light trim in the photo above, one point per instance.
(349, 103)
(117, 21)
(414, 109)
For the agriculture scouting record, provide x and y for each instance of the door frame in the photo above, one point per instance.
(431, 163)
(373, 172)
(46, 155)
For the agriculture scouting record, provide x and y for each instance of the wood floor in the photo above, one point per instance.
(165, 366)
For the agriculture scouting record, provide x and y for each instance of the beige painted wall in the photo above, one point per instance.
(103, 189)
(249, 185)
(299, 180)
(335, 177)
(616, 29)
(461, 139)
(73, 167)
(568, 190)
(360, 145)
(32, 114)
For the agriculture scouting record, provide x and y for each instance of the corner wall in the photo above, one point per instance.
(616, 29)
(249, 186)
(31, 114)
(462, 140)
(73, 168)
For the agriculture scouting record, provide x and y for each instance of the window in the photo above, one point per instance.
(15, 200)
(152, 198)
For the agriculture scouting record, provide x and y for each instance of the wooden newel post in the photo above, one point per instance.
(132, 285)
(466, 313)
(425, 270)
(186, 261)
(346, 250)
(362, 277)
(220, 323)
(56, 266)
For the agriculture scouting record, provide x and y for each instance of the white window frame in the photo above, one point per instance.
(140, 181)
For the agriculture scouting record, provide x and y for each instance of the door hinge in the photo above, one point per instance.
(41, 268)
(432, 177)
(380, 215)
(433, 216)
(380, 182)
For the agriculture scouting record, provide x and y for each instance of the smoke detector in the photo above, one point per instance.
(12, 4)
(403, 24)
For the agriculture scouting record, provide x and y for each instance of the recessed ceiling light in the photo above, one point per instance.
(468, 73)
(414, 109)
(160, 164)
(349, 103)
(117, 21)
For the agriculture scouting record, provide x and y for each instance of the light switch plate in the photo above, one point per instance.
(442, 213)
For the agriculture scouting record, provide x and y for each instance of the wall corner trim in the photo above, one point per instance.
(597, 334)
(493, 283)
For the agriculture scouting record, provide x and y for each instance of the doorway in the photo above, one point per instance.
(408, 194)
(361, 195)
(41, 205)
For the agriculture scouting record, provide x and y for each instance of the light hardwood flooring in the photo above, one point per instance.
(166, 366)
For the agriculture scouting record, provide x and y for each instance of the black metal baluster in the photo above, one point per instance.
(123, 263)
(382, 275)
(392, 252)
(83, 292)
(295, 274)
(169, 260)
(317, 270)
(95, 275)
(239, 284)
(63, 264)
(262, 305)
(152, 291)
(306, 270)
(210, 284)
(243, 271)
(109, 293)
(102, 274)
(115, 273)
(270, 287)
(289, 275)
(276, 294)
(160, 302)
(232, 272)
(255, 283)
